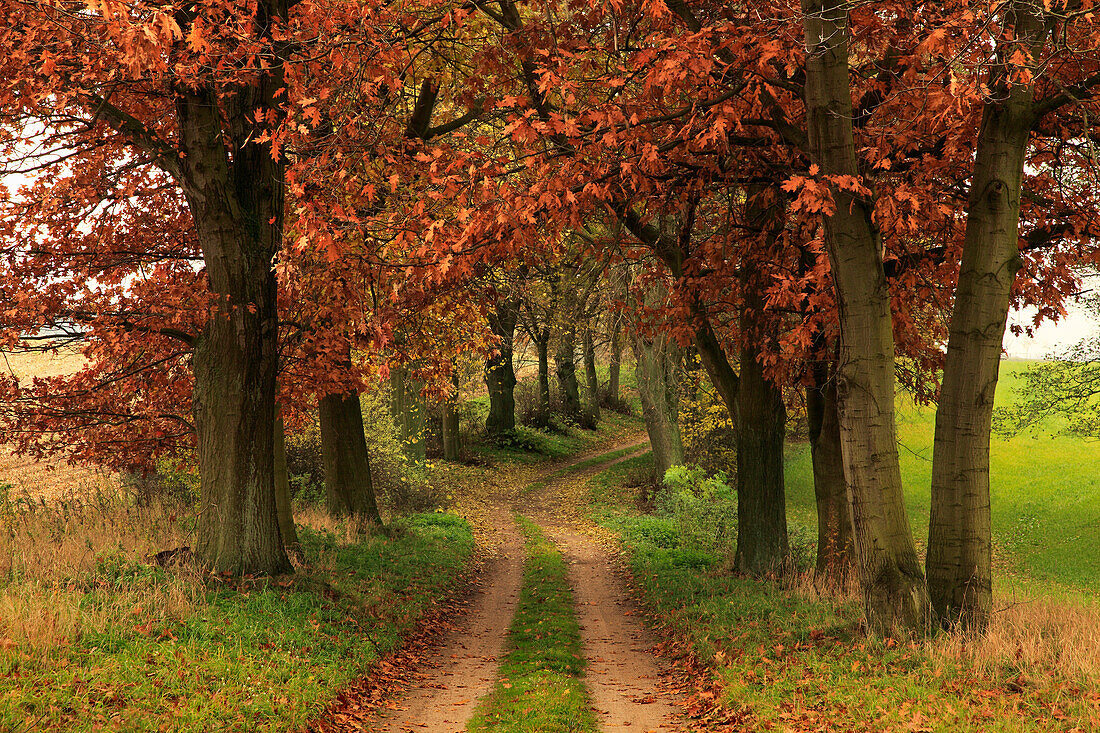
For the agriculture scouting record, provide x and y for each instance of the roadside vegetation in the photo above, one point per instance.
(541, 680)
(793, 655)
(95, 634)
(106, 623)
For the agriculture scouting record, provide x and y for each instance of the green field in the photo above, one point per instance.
(1045, 493)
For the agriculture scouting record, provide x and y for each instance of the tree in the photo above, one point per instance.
(895, 594)
(500, 373)
(129, 100)
(1013, 104)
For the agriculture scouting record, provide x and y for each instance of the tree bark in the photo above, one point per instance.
(236, 203)
(287, 530)
(408, 412)
(614, 369)
(500, 374)
(588, 349)
(835, 547)
(657, 373)
(349, 488)
(542, 345)
(565, 361)
(895, 595)
(762, 544)
(959, 555)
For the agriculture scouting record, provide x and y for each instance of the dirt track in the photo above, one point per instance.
(468, 662)
(622, 673)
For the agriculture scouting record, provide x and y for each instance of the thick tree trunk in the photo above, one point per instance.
(500, 374)
(835, 548)
(542, 345)
(237, 208)
(657, 389)
(408, 412)
(959, 555)
(349, 488)
(762, 545)
(614, 369)
(588, 349)
(895, 595)
(283, 505)
(565, 362)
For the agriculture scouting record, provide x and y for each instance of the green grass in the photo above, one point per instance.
(1045, 492)
(541, 686)
(527, 445)
(786, 660)
(584, 465)
(257, 656)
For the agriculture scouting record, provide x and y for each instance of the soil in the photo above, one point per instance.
(622, 673)
(468, 662)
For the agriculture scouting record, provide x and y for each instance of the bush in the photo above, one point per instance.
(304, 464)
(707, 431)
(168, 481)
(704, 508)
(400, 485)
(528, 411)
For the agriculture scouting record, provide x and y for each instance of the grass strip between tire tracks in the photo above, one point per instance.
(541, 685)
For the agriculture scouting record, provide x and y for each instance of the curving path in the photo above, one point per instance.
(622, 673)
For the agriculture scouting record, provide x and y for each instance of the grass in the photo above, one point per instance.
(527, 445)
(541, 686)
(1045, 495)
(584, 465)
(784, 658)
(92, 637)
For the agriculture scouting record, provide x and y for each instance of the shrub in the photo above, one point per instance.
(703, 507)
(707, 431)
(173, 481)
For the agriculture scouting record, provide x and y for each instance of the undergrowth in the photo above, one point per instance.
(785, 658)
(93, 636)
(541, 686)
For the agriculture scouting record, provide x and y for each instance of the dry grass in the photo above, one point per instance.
(72, 566)
(1032, 637)
(51, 480)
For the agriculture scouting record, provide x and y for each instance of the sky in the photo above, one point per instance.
(1052, 337)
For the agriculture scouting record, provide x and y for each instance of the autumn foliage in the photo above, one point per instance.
(236, 204)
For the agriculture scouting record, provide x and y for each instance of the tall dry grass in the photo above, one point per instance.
(1030, 635)
(84, 565)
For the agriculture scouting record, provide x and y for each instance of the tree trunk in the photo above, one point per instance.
(761, 502)
(349, 488)
(500, 374)
(958, 563)
(835, 548)
(657, 367)
(762, 545)
(542, 344)
(283, 506)
(236, 203)
(616, 362)
(895, 595)
(408, 412)
(588, 349)
(452, 440)
(565, 361)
